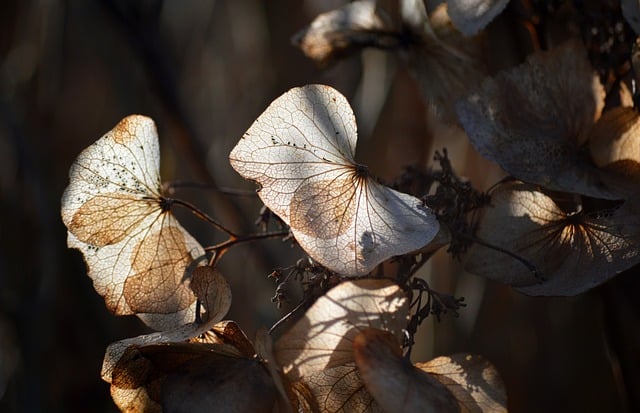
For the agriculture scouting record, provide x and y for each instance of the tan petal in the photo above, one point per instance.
(136, 252)
(190, 377)
(444, 62)
(146, 272)
(573, 252)
(339, 389)
(474, 381)
(323, 337)
(192, 332)
(342, 31)
(614, 142)
(300, 150)
(394, 383)
(158, 370)
(213, 291)
(107, 219)
(305, 398)
(227, 332)
(532, 119)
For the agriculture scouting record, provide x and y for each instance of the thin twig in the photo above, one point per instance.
(220, 248)
(530, 266)
(234, 240)
(204, 216)
(290, 314)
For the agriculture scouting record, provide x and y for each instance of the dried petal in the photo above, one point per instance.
(339, 389)
(614, 142)
(209, 330)
(188, 368)
(531, 120)
(190, 377)
(573, 251)
(136, 251)
(300, 150)
(393, 382)
(444, 62)
(229, 333)
(323, 337)
(474, 381)
(212, 290)
(342, 31)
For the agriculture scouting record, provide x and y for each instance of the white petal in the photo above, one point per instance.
(300, 150)
(136, 252)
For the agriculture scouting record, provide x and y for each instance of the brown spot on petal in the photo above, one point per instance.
(324, 209)
(159, 262)
(107, 219)
(125, 131)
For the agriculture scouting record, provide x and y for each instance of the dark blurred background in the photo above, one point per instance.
(204, 70)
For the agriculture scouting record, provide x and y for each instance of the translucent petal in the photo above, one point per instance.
(323, 338)
(573, 252)
(301, 150)
(394, 383)
(136, 251)
(473, 380)
(533, 119)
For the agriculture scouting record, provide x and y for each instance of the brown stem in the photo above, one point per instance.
(202, 215)
(220, 248)
(290, 314)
